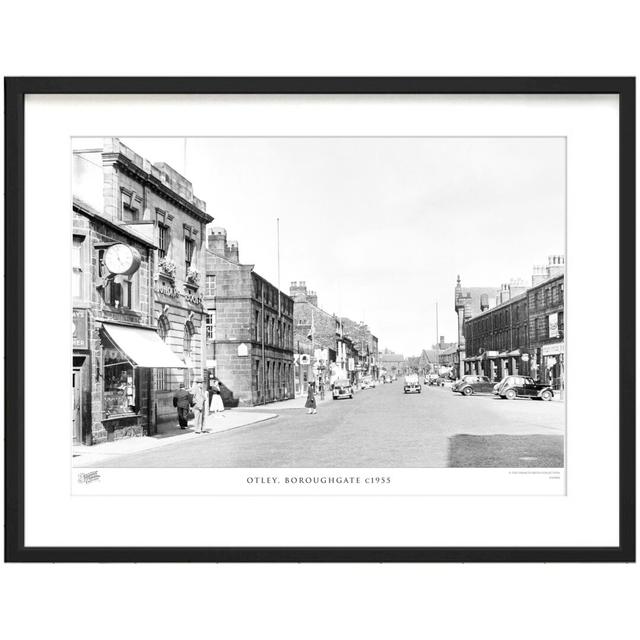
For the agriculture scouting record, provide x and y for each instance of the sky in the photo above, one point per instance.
(380, 228)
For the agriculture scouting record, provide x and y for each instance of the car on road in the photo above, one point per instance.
(431, 379)
(524, 387)
(412, 384)
(342, 389)
(469, 385)
(367, 383)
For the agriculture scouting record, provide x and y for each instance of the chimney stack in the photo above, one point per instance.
(232, 252)
(555, 265)
(298, 291)
(217, 241)
(539, 274)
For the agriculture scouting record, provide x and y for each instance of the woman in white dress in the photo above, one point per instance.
(216, 405)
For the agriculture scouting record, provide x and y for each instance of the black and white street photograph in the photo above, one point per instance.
(319, 302)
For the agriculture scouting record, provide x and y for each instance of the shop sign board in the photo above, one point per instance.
(80, 329)
(553, 349)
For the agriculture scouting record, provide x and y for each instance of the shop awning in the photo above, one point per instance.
(514, 354)
(143, 347)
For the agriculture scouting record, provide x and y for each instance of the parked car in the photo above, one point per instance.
(496, 386)
(342, 389)
(412, 384)
(469, 385)
(431, 378)
(525, 387)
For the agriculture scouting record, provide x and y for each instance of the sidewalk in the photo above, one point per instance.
(167, 434)
(295, 403)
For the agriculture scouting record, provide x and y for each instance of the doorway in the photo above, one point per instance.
(77, 405)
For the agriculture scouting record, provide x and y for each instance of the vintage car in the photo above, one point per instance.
(412, 384)
(469, 385)
(367, 383)
(522, 386)
(342, 389)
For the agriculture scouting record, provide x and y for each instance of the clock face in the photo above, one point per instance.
(119, 258)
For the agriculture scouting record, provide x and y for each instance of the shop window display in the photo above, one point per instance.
(119, 384)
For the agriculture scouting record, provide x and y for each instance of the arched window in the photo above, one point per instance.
(187, 344)
(163, 327)
(162, 375)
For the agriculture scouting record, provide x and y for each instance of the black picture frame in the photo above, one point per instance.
(15, 91)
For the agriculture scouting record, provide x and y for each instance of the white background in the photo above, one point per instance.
(490, 38)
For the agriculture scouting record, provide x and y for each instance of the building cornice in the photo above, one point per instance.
(119, 159)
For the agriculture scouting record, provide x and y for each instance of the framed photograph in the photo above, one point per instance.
(320, 319)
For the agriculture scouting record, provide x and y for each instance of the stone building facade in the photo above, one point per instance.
(546, 330)
(248, 330)
(497, 339)
(318, 341)
(524, 332)
(121, 198)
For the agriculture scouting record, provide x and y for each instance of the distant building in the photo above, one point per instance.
(523, 333)
(318, 341)
(249, 329)
(469, 302)
(392, 363)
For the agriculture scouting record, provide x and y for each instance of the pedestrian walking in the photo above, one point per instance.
(199, 401)
(310, 404)
(215, 405)
(182, 402)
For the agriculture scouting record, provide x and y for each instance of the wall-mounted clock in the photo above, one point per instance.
(122, 259)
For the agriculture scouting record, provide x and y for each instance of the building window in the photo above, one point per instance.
(189, 246)
(77, 288)
(561, 322)
(210, 286)
(163, 240)
(162, 374)
(119, 292)
(210, 326)
(187, 344)
(256, 328)
(129, 206)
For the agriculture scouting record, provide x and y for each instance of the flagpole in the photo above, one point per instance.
(278, 250)
(437, 344)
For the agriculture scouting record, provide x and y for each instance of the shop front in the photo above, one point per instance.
(127, 356)
(552, 370)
